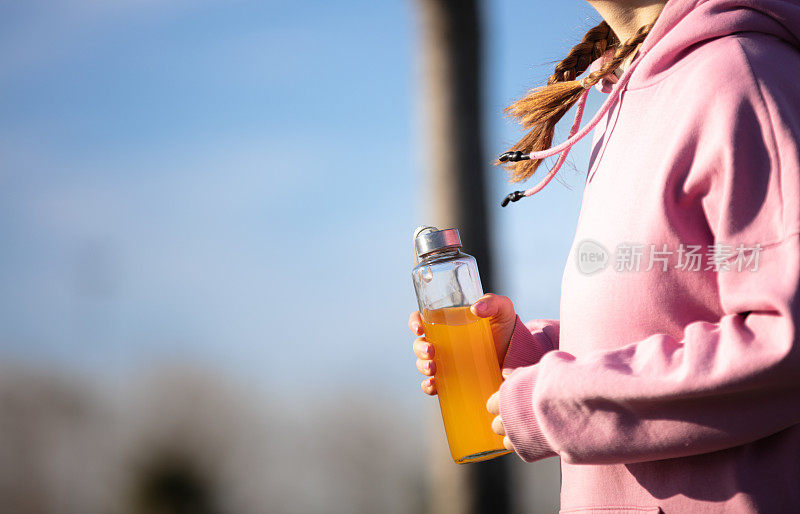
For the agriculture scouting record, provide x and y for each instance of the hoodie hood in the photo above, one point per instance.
(682, 26)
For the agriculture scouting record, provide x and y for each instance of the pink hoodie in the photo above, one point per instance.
(672, 381)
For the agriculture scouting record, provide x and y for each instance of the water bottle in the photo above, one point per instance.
(447, 283)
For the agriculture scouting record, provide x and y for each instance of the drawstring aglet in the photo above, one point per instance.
(513, 197)
(513, 157)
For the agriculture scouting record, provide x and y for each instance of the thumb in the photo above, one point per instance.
(494, 306)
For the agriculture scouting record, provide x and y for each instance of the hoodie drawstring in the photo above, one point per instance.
(575, 135)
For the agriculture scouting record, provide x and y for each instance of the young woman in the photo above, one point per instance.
(672, 379)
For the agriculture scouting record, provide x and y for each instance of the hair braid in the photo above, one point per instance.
(543, 107)
(596, 41)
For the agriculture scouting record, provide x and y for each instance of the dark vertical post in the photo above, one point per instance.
(456, 197)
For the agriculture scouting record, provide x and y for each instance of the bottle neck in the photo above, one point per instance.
(443, 254)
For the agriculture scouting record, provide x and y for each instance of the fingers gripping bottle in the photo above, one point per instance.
(467, 371)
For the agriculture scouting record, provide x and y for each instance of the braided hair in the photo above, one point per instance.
(540, 110)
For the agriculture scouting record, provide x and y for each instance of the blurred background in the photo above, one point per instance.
(206, 212)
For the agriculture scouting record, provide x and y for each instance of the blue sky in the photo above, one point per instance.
(186, 181)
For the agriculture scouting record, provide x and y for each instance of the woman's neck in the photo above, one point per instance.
(626, 16)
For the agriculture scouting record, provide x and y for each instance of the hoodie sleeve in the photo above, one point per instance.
(529, 342)
(723, 383)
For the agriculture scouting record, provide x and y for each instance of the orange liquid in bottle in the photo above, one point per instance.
(467, 374)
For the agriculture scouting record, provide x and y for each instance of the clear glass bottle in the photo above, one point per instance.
(447, 283)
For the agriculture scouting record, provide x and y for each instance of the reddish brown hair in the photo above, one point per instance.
(543, 107)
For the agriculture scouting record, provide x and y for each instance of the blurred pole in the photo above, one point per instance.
(456, 196)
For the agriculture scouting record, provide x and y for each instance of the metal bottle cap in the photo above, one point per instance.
(429, 239)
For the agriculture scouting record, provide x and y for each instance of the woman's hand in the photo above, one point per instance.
(424, 352)
(499, 310)
(501, 314)
(493, 406)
